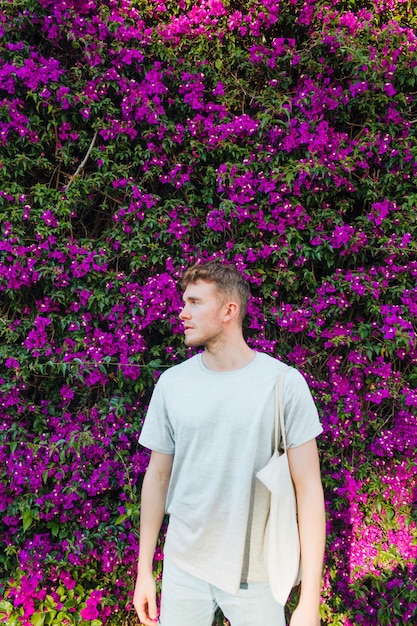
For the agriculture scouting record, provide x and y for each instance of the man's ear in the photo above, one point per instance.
(231, 311)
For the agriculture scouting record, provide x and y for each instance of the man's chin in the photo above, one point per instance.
(191, 343)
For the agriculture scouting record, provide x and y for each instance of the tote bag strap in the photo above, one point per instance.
(279, 412)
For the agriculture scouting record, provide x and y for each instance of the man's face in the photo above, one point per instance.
(202, 314)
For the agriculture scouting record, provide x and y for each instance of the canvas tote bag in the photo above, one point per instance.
(282, 538)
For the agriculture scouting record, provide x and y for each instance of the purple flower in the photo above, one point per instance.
(66, 392)
(91, 611)
(50, 219)
(219, 89)
(389, 89)
(12, 363)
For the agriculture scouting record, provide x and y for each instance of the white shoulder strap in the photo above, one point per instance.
(279, 412)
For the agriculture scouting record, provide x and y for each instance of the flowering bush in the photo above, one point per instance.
(136, 137)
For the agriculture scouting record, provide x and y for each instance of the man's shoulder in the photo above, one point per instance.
(270, 362)
(276, 365)
(181, 369)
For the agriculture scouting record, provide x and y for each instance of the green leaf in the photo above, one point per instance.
(6, 608)
(390, 514)
(38, 619)
(70, 604)
(27, 518)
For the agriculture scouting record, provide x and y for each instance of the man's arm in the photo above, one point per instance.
(305, 472)
(154, 492)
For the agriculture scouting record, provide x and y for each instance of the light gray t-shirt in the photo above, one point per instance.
(219, 427)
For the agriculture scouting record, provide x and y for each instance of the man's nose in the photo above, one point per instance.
(183, 313)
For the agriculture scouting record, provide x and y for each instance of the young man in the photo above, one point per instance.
(210, 428)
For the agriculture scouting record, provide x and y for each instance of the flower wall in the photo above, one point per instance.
(136, 137)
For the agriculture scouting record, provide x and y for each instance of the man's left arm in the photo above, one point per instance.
(305, 472)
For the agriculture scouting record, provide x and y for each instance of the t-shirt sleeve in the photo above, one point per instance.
(157, 431)
(301, 418)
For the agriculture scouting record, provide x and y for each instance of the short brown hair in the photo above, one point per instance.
(226, 277)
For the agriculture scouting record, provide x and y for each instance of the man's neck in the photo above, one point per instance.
(227, 358)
